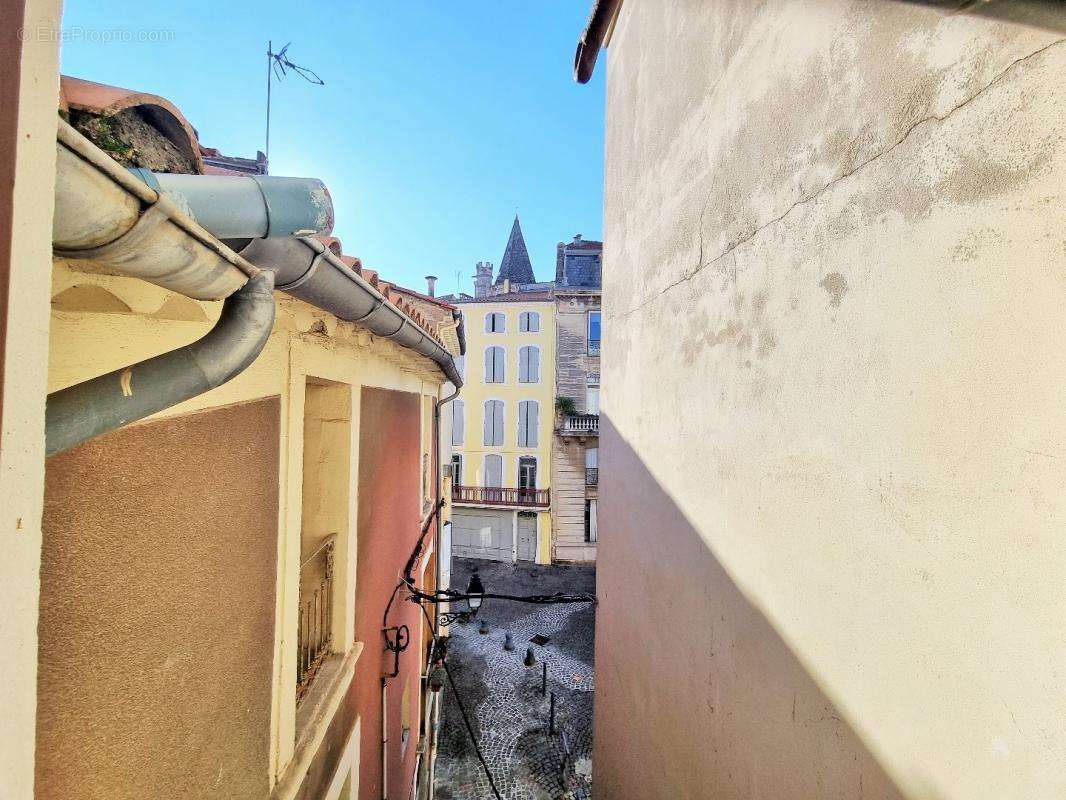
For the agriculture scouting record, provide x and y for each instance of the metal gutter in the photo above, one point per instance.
(238, 206)
(106, 216)
(96, 406)
(307, 269)
(592, 38)
(109, 220)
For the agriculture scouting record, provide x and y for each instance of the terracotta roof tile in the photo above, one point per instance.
(98, 98)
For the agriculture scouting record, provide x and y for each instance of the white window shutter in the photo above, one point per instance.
(487, 438)
(493, 470)
(533, 420)
(523, 364)
(523, 413)
(533, 370)
(488, 364)
(497, 422)
(458, 422)
(499, 376)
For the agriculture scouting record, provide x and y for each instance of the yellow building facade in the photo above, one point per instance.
(502, 430)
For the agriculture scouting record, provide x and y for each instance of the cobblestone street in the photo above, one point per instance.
(503, 698)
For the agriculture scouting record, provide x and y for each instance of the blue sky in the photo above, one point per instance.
(437, 121)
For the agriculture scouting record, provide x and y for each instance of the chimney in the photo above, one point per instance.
(483, 279)
(577, 237)
(431, 285)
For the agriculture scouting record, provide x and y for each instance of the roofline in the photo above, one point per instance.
(426, 297)
(593, 37)
(1046, 14)
(510, 299)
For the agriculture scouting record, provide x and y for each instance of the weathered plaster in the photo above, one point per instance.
(833, 290)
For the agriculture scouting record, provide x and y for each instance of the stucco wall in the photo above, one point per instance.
(833, 425)
(389, 526)
(157, 610)
(29, 90)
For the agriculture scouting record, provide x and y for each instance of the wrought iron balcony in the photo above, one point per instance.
(314, 637)
(501, 496)
(581, 425)
(592, 476)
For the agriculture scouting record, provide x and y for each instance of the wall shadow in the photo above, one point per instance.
(697, 696)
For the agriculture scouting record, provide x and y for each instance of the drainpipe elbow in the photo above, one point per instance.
(102, 404)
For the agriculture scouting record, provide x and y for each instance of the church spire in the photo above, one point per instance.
(515, 265)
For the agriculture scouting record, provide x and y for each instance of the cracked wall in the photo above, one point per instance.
(835, 272)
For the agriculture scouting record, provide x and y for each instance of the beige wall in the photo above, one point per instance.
(568, 500)
(29, 90)
(101, 322)
(833, 420)
(157, 610)
(573, 363)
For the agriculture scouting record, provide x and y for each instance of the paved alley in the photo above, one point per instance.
(503, 697)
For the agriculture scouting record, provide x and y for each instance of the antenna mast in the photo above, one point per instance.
(276, 68)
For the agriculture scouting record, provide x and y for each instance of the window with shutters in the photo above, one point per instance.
(529, 322)
(494, 470)
(493, 423)
(458, 421)
(495, 364)
(529, 364)
(457, 469)
(528, 423)
(496, 322)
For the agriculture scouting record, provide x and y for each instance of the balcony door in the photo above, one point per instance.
(527, 477)
(493, 478)
(494, 471)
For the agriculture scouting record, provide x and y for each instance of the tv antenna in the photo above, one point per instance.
(278, 66)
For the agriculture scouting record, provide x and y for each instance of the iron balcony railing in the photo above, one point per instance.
(581, 425)
(501, 496)
(592, 476)
(594, 347)
(314, 638)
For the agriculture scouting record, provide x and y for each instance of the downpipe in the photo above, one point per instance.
(102, 404)
(384, 740)
(439, 491)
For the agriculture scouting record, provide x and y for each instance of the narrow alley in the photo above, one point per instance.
(508, 707)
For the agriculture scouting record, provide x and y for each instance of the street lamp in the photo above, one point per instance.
(475, 591)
